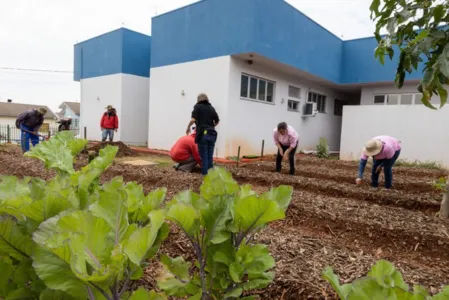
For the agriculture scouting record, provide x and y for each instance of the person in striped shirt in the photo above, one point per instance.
(286, 140)
(385, 150)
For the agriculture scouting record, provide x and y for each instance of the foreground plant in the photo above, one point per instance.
(71, 238)
(322, 149)
(382, 282)
(221, 224)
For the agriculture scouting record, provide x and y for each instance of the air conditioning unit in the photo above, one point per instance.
(309, 110)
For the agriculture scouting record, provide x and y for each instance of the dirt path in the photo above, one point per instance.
(330, 222)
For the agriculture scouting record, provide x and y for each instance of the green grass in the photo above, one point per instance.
(428, 164)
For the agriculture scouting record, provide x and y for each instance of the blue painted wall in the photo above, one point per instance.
(118, 51)
(360, 66)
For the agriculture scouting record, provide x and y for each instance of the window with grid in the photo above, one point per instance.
(320, 101)
(379, 99)
(294, 96)
(254, 88)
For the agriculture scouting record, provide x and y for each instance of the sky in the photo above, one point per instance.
(39, 35)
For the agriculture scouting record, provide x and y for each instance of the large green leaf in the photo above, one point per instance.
(387, 276)
(259, 281)
(444, 295)
(216, 214)
(12, 187)
(84, 178)
(22, 293)
(13, 242)
(135, 196)
(218, 182)
(112, 208)
(256, 259)
(341, 290)
(7, 270)
(49, 294)
(282, 195)
(143, 294)
(176, 266)
(57, 274)
(368, 289)
(152, 201)
(143, 239)
(186, 216)
(253, 211)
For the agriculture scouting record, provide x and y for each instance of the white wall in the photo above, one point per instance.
(134, 111)
(250, 122)
(422, 131)
(96, 94)
(173, 93)
(68, 112)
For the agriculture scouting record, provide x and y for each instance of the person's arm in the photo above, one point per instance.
(193, 119)
(102, 121)
(293, 138)
(116, 123)
(362, 166)
(216, 118)
(277, 143)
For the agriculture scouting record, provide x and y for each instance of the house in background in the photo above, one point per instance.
(72, 110)
(261, 62)
(9, 112)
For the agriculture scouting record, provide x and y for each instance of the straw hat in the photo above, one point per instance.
(42, 110)
(372, 147)
(109, 107)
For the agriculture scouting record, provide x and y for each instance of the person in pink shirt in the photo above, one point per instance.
(385, 150)
(286, 140)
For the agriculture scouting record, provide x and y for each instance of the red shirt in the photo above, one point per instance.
(184, 148)
(109, 122)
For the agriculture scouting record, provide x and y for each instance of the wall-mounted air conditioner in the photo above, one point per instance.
(309, 110)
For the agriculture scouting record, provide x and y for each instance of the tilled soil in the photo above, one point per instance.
(330, 221)
(123, 150)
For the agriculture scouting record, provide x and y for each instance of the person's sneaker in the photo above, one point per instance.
(176, 167)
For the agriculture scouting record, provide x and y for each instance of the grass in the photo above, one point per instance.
(428, 164)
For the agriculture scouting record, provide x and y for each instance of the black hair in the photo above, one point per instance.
(282, 125)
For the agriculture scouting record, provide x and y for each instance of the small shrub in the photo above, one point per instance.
(428, 164)
(382, 282)
(322, 149)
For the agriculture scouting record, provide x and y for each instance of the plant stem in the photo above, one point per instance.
(101, 291)
(90, 293)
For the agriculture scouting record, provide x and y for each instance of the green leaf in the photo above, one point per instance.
(151, 202)
(368, 289)
(444, 295)
(142, 239)
(135, 196)
(112, 208)
(13, 242)
(176, 266)
(253, 211)
(374, 8)
(21, 294)
(55, 295)
(143, 294)
(218, 182)
(246, 190)
(438, 13)
(56, 274)
(234, 293)
(258, 282)
(282, 195)
(7, 270)
(387, 276)
(216, 214)
(342, 291)
(236, 271)
(222, 258)
(186, 216)
(256, 259)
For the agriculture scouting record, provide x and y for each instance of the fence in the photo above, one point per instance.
(11, 134)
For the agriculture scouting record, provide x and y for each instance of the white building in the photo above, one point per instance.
(261, 62)
(72, 110)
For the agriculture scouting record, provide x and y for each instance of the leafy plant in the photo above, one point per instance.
(322, 149)
(382, 282)
(221, 224)
(71, 238)
(418, 30)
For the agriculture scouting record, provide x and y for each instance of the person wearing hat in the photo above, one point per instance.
(185, 153)
(29, 123)
(385, 150)
(109, 123)
(65, 124)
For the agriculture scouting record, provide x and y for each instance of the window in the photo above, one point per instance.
(294, 92)
(379, 99)
(75, 123)
(406, 99)
(393, 99)
(338, 107)
(320, 101)
(256, 89)
(45, 127)
(293, 105)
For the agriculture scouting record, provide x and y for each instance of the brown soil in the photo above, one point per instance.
(123, 150)
(330, 221)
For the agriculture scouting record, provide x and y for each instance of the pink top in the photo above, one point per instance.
(390, 146)
(289, 139)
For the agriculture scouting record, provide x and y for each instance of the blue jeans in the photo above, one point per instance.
(26, 137)
(388, 171)
(206, 148)
(105, 133)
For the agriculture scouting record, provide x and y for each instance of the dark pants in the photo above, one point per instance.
(206, 147)
(388, 170)
(187, 165)
(106, 133)
(26, 137)
(291, 159)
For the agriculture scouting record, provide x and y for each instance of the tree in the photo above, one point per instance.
(419, 31)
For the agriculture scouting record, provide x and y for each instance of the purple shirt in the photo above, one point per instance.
(290, 139)
(390, 146)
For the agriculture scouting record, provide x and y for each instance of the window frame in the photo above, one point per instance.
(248, 90)
(316, 99)
(298, 103)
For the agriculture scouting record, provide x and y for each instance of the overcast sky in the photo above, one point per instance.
(41, 34)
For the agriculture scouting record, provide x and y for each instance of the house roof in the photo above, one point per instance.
(15, 109)
(74, 106)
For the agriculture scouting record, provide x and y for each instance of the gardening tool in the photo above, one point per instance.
(45, 138)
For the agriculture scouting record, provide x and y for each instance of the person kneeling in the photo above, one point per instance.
(185, 153)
